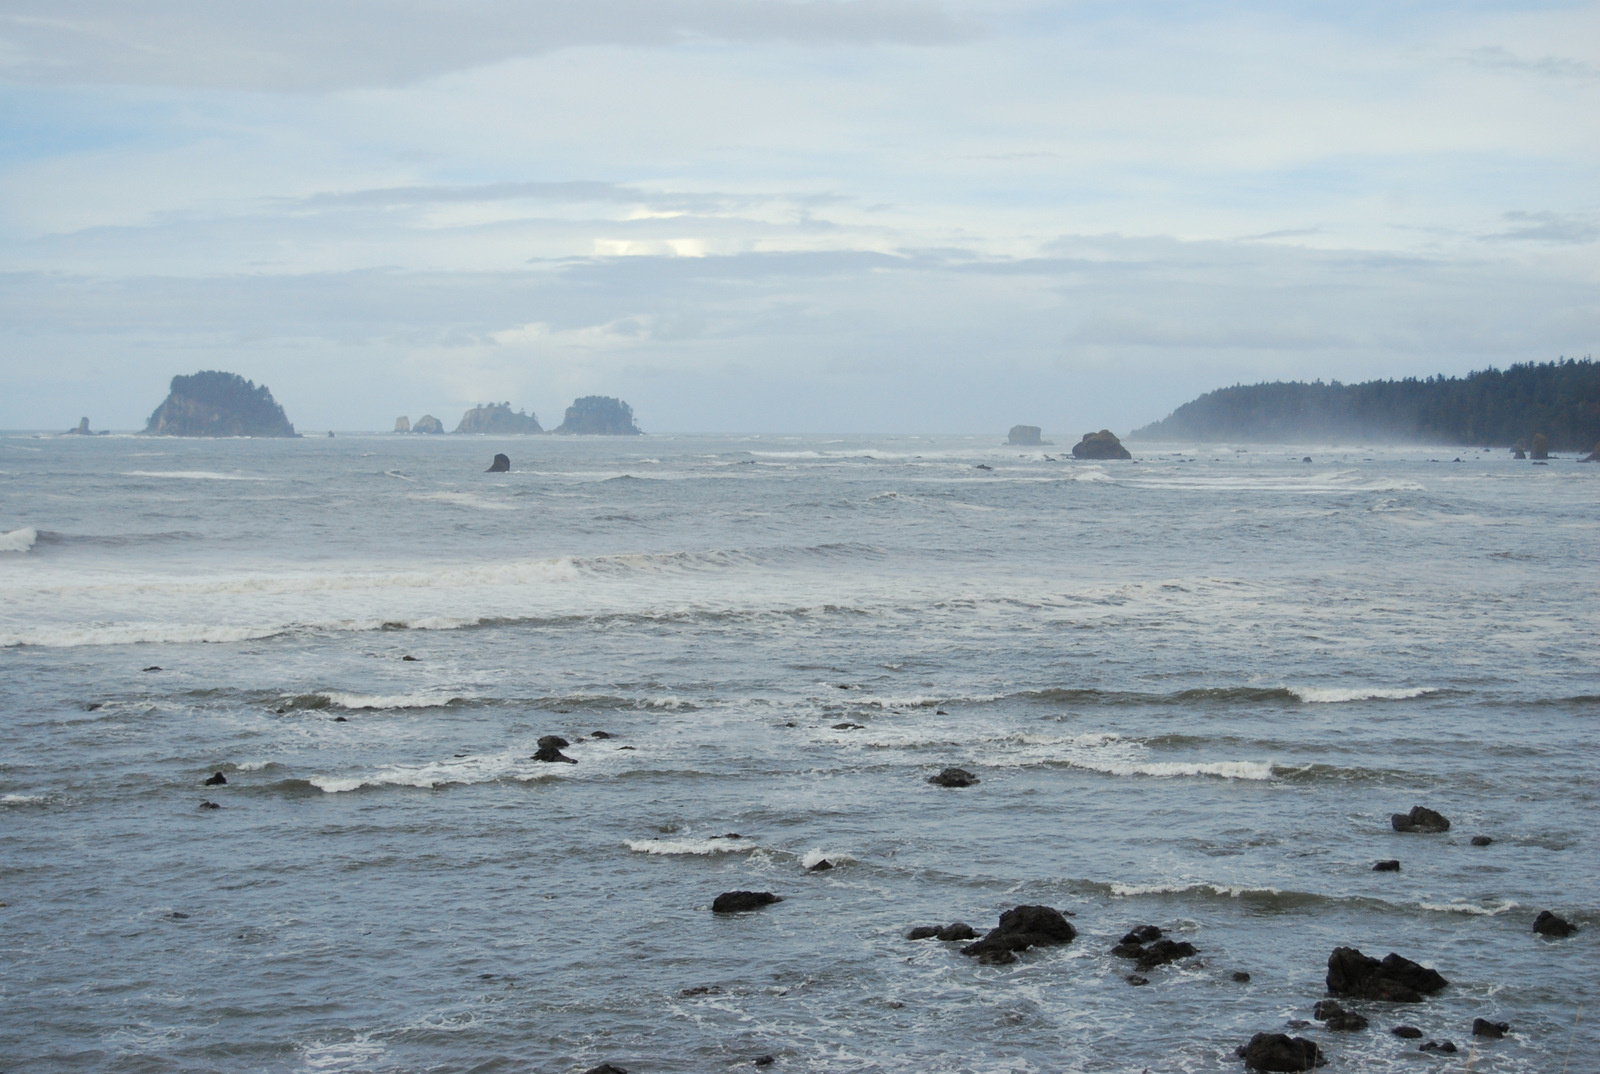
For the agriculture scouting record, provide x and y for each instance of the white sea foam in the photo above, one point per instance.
(426, 700)
(1185, 888)
(691, 846)
(1472, 909)
(23, 799)
(1252, 770)
(431, 774)
(134, 634)
(1319, 695)
(195, 475)
(817, 854)
(463, 499)
(18, 540)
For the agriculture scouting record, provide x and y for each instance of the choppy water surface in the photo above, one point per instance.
(1194, 688)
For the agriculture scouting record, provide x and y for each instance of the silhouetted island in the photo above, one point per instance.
(212, 403)
(599, 415)
(498, 418)
(1490, 408)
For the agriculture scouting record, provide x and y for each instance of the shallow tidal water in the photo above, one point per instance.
(1194, 688)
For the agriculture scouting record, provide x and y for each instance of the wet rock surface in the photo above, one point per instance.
(1281, 1052)
(953, 777)
(737, 902)
(1021, 928)
(549, 751)
(1482, 1027)
(1421, 820)
(1393, 978)
(1552, 924)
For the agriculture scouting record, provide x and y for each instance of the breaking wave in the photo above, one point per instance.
(18, 540)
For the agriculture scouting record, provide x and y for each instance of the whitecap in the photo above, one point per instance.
(1250, 770)
(1319, 695)
(1473, 909)
(23, 799)
(690, 846)
(427, 700)
(18, 540)
(194, 475)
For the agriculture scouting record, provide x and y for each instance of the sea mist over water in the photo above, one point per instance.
(1193, 687)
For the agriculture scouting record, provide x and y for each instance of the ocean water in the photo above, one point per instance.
(1194, 688)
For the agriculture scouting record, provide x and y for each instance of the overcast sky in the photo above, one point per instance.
(785, 215)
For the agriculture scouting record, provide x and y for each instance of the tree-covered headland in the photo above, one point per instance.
(1490, 408)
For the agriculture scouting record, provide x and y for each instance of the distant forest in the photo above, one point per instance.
(1492, 408)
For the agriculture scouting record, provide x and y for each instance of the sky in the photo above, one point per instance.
(785, 216)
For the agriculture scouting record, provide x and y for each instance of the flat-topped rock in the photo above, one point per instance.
(1025, 436)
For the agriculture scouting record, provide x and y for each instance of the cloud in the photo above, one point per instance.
(1574, 228)
(322, 45)
(1498, 58)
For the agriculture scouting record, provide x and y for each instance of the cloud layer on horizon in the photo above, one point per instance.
(751, 214)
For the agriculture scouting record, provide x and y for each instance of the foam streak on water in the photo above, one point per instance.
(1193, 689)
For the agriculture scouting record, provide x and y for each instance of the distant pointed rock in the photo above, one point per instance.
(500, 465)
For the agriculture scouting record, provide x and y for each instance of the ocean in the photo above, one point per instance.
(1193, 688)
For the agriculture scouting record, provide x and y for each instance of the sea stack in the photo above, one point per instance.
(599, 415)
(428, 424)
(1541, 446)
(402, 424)
(212, 403)
(498, 419)
(500, 465)
(1024, 436)
(82, 429)
(1101, 445)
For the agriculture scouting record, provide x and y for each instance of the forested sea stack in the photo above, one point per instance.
(212, 403)
(599, 415)
(499, 419)
(1491, 408)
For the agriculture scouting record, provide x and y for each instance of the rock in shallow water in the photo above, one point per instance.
(1482, 1027)
(1445, 1047)
(1388, 866)
(734, 902)
(1406, 1032)
(1394, 979)
(215, 780)
(1021, 928)
(1280, 1052)
(1549, 924)
(1481, 841)
(953, 777)
(1420, 819)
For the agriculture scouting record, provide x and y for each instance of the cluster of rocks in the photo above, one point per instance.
(550, 747)
(1148, 948)
(596, 415)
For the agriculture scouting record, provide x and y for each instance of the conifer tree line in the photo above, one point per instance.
(1489, 408)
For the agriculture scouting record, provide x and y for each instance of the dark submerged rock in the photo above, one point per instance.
(1482, 1027)
(953, 777)
(1481, 841)
(1021, 928)
(1394, 979)
(1337, 1018)
(216, 780)
(1444, 1047)
(1406, 1032)
(152, 667)
(765, 1060)
(1550, 924)
(550, 750)
(601, 734)
(1241, 977)
(607, 1068)
(1101, 445)
(208, 804)
(821, 867)
(1142, 934)
(1281, 1052)
(500, 465)
(1420, 819)
(958, 930)
(1136, 981)
(1164, 951)
(734, 902)
(409, 658)
(1389, 865)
